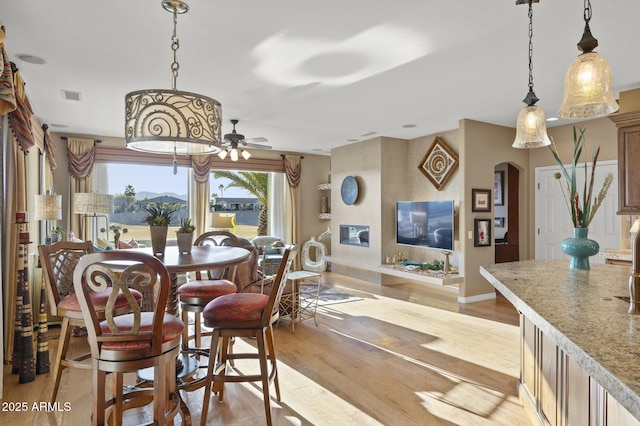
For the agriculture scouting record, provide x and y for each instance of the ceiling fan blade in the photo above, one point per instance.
(258, 139)
(255, 146)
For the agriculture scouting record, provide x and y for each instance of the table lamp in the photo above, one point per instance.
(94, 206)
(48, 207)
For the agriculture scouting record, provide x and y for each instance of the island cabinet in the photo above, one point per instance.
(556, 391)
(580, 349)
(628, 125)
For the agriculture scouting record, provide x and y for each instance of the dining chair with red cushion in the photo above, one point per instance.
(194, 295)
(58, 261)
(249, 315)
(123, 343)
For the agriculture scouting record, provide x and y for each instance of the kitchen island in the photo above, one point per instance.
(580, 349)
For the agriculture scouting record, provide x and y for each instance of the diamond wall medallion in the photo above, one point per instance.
(439, 163)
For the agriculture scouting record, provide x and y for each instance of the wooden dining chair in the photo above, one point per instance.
(194, 295)
(249, 315)
(123, 343)
(58, 262)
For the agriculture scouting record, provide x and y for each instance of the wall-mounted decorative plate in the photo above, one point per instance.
(349, 190)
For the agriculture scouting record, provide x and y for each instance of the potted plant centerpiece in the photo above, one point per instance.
(582, 204)
(158, 220)
(184, 235)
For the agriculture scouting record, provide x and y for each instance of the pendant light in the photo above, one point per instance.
(587, 85)
(531, 127)
(171, 121)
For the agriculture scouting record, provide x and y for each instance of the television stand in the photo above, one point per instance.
(390, 274)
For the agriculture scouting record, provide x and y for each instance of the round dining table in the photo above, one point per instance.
(201, 258)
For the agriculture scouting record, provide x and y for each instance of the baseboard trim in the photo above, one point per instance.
(478, 298)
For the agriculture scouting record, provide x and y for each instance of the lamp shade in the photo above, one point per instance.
(90, 203)
(587, 88)
(635, 227)
(172, 122)
(531, 128)
(48, 207)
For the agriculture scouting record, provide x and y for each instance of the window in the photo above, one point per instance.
(135, 186)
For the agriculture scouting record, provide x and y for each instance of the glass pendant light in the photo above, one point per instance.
(531, 127)
(587, 85)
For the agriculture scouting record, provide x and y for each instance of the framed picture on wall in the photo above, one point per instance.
(480, 200)
(482, 232)
(498, 186)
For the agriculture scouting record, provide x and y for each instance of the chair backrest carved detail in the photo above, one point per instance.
(123, 271)
(58, 261)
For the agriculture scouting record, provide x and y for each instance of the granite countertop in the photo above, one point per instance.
(580, 312)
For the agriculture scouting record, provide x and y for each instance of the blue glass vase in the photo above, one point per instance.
(579, 248)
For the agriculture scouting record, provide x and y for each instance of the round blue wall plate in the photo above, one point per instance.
(349, 190)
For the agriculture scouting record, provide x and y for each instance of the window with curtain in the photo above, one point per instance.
(133, 165)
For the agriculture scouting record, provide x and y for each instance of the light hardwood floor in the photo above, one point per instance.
(404, 355)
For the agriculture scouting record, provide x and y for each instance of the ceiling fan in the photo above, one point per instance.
(233, 140)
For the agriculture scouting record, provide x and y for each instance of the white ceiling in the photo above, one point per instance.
(311, 76)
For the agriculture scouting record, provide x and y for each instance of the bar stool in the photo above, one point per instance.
(245, 315)
(125, 343)
(195, 294)
(58, 261)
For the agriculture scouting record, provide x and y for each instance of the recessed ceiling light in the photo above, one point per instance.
(409, 126)
(371, 133)
(24, 57)
(552, 119)
(352, 140)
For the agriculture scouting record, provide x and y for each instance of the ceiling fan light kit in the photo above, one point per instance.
(234, 139)
(171, 121)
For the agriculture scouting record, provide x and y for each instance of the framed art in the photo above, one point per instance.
(482, 232)
(439, 163)
(498, 222)
(480, 200)
(498, 186)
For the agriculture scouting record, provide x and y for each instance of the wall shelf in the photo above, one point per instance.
(447, 281)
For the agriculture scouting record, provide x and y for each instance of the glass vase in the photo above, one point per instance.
(579, 248)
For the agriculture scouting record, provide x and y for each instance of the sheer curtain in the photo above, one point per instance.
(276, 207)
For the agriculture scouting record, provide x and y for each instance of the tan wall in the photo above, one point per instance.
(362, 160)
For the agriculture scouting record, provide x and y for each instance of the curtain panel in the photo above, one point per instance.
(293, 169)
(199, 199)
(21, 140)
(81, 155)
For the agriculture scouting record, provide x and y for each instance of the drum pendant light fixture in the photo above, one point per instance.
(531, 127)
(172, 122)
(587, 85)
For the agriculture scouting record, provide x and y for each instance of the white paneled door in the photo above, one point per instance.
(552, 215)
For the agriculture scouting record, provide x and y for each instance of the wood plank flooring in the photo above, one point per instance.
(404, 355)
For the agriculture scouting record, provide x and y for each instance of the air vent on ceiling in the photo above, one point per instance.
(70, 95)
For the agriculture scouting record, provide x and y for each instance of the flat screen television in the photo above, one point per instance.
(425, 224)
